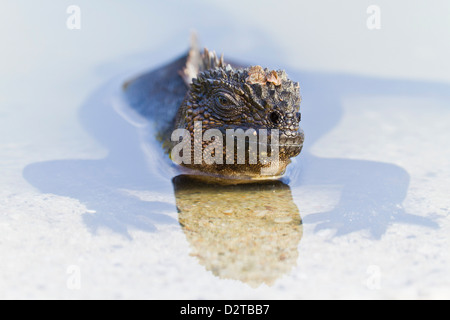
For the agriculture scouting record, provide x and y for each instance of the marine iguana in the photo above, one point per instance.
(199, 92)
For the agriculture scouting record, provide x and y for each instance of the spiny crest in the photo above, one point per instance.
(211, 61)
(262, 85)
(197, 62)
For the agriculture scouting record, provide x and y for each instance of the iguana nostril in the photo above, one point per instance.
(275, 117)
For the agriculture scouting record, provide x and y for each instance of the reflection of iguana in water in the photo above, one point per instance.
(248, 232)
(203, 88)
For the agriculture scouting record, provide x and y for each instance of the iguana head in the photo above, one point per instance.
(230, 98)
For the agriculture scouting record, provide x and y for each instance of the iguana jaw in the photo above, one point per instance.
(236, 153)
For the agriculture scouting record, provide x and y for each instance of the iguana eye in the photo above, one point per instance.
(225, 105)
(224, 101)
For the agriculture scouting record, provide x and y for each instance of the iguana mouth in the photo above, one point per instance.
(247, 155)
(286, 143)
(287, 140)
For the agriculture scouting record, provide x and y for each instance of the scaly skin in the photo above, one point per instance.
(224, 97)
(221, 96)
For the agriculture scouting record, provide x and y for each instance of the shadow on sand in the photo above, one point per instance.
(371, 197)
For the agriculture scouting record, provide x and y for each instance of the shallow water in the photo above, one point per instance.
(248, 232)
